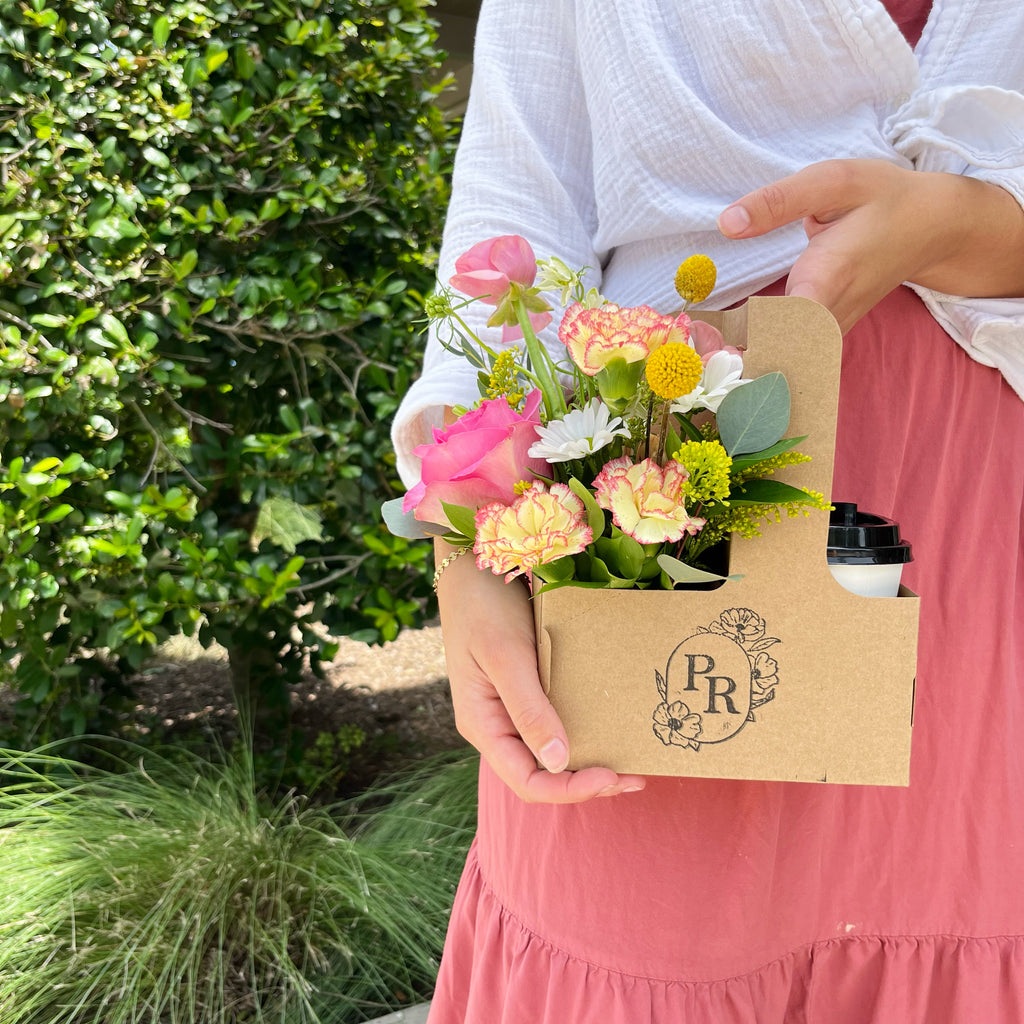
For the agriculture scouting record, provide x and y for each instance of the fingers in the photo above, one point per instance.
(866, 230)
(507, 716)
(500, 706)
(819, 193)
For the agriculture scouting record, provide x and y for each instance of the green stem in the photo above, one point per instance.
(543, 367)
(663, 433)
(647, 430)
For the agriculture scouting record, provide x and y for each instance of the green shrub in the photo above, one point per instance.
(214, 218)
(167, 893)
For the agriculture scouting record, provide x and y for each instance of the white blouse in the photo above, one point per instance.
(611, 133)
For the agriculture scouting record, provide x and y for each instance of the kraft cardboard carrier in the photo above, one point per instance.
(782, 674)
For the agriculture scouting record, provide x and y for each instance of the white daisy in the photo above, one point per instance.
(722, 373)
(578, 434)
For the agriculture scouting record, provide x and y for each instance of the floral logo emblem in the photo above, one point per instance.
(714, 680)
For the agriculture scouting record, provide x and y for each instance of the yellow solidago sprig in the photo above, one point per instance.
(747, 520)
(504, 380)
(673, 370)
(766, 467)
(708, 465)
(695, 278)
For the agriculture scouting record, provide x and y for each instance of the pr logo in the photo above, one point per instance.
(714, 679)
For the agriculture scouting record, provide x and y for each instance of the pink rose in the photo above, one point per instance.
(708, 340)
(487, 271)
(478, 459)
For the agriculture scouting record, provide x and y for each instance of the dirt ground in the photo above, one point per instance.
(396, 694)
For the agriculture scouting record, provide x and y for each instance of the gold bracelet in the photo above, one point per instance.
(446, 562)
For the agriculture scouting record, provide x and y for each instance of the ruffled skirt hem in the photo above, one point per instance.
(498, 971)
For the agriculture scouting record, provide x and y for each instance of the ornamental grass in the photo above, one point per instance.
(167, 892)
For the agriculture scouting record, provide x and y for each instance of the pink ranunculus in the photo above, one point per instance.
(708, 340)
(646, 500)
(478, 459)
(486, 272)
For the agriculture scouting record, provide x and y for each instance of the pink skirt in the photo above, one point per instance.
(723, 902)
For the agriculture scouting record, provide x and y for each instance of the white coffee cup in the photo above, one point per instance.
(865, 552)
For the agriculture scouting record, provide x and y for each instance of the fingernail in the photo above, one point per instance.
(733, 220)
(554, 755)
(632, 789)
(609, 791)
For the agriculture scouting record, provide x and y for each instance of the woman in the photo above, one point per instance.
(619, 134)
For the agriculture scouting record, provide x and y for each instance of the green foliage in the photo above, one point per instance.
(314, 768)
(754, 417)
(213, 216)
(168, 892)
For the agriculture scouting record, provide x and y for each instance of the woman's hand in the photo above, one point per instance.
(872, 225)
(500, 706)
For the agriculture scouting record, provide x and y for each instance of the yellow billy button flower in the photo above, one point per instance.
(673, 371)
(695, 278)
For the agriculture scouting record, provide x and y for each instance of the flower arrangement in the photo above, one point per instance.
(627, 463)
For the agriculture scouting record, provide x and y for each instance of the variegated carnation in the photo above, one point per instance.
(646, 500)
(595, 336)
(541, 525)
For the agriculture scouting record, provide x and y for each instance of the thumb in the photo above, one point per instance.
(811, 194)
(762, 210)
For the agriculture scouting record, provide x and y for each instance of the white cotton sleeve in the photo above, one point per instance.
(977, 131)
(523, 167)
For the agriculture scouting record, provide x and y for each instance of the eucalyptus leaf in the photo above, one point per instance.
(755, 416)
(680, 572)
(405, 524)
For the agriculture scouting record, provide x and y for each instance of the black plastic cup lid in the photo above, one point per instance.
(860, 538)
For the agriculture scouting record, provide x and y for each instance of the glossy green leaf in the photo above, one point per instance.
(742, 462)
(766, 492)
(161, 31)
(595, 514)
(461, 518)
(559, 571)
